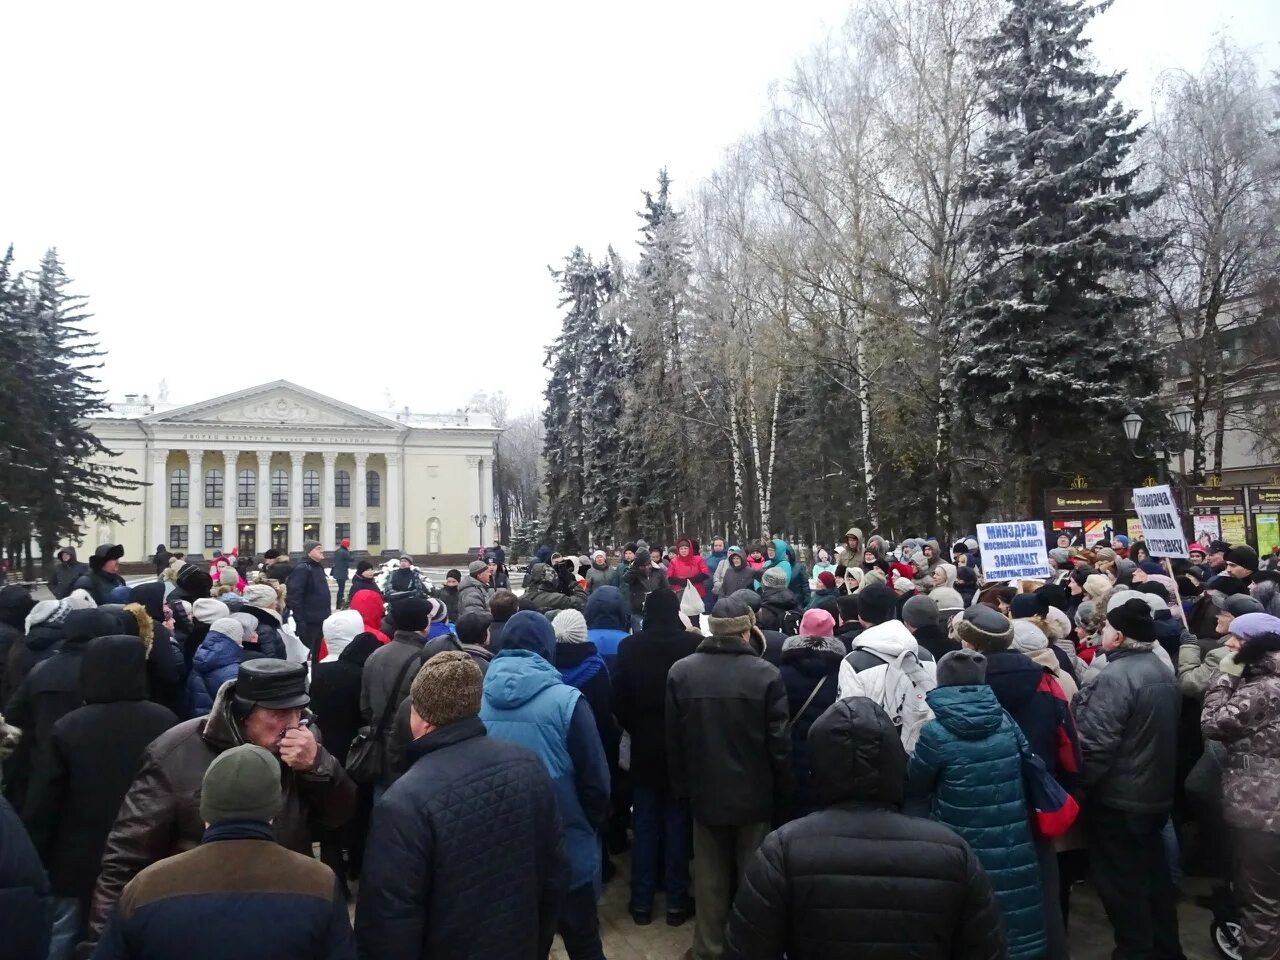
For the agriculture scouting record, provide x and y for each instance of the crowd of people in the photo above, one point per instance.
(809, 753)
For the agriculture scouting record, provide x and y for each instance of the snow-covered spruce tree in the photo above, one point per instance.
(1051, 355)
(604, 384)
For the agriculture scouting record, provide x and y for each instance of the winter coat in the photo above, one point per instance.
(526, 702)
(160, 815)
(779, 610)
(714, 559)
(340, 568)
(404, 581)
(865, 671)
(608, 622)
(335, 694)
(269, 633)
(1040, 709)
(1196, 670)
(1244, 714)
(379, 677)
(432, 861)
(41, 642)
(858, 878)
(781, 552)
(728, 746)
(238, 894)
(799, 582)
(639, 582)
(217, 661)
(371, 607)
(99, 584)
(968, 761)
(449, 597)
(818, 596)
(735, 578)
(545, 597)
(360, 584)
(66, 573)
(1128, 724)
(91, 756)
(691, 569)
(810, 668)
(933, 638)
(473, 596)
(599, 575)
(582, 668)
(279, 570)
(640, 686)
(308, 594)
(848, 556)
(26, 904)
(15, 604)
(1050, 661)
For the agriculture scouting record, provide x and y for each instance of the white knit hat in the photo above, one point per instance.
(230, 628)
(261, 595)
(1028, 637)
(207, 610)
(570, 627)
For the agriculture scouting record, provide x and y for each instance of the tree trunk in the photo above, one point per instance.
(735, 443)
(864, 404)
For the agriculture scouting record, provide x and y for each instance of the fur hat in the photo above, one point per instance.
(570, 627)
(984, 628)
(1133, 619)
(774, 577)
(731, 617)
(920, 611)
(962, 668)
(447, 688)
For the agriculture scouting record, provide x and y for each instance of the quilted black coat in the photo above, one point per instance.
(858, 878)
(465, 858)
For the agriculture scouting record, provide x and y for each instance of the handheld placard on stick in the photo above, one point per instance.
(1177, 594)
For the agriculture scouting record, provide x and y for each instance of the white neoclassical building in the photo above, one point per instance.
(277, 464)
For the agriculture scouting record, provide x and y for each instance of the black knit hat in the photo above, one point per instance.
(1133, 619)
(362, 566)
(1218, 546)
(1244, 556)
(877, 604)
(453, 575)
(1028, 605)
(411, 613)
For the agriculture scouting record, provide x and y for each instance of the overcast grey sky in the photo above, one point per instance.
(366, 196)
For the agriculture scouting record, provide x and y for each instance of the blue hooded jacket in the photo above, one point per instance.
(969, 761)
(526, 702)
(216, 661)
(608, 617)
(779, 559)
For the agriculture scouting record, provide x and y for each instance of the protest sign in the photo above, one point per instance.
(1161, 525)
(1013, 551)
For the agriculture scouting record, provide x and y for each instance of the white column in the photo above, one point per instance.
(195, 503)
(295, 502)
(159, 499)
(486, 500)
(474, 466)
(230, 500)
(360, 526)
(328, 501)
(263, 539)
(392, 538)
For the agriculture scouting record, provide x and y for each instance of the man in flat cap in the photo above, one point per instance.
(160, 816)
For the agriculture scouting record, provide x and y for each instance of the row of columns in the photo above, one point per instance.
(231, 496)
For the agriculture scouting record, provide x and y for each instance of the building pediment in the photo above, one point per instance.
(277, 404)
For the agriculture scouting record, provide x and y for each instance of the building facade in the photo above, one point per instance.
(278, 464)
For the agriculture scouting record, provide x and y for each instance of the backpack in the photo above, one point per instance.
(902, 695)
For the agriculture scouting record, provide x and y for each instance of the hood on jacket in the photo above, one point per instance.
(538, 575)
(114, 668)
(607, 609)
(515, 677)
(662, 613)
(339, 629)
(71, 559)
(81, 626)
(359, 650)
(740, 554)
(543, 554)
(368, 603)
(1015, 675)
(151, 596)
(857, 754)
(15, 604)
(856, 533)
(888, 639)
(969, 712)
(530, 631)
(216, 650)
(779, 551)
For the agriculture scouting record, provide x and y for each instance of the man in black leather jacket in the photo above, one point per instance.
(1127, 720)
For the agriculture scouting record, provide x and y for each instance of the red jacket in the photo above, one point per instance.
(692, 569)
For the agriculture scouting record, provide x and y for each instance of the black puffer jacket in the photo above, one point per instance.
(84, 769)
(860, 879)
(308, 593)
(1127, 720)
(472, 826)
(15, 604)
(66, 573)
(26, 905)
(728, 747)
(335, 694)
(810, 670)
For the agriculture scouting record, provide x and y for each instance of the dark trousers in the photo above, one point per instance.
(579, 925)
(1132, 877)
(720, 857)
(661, 826)
(342, 591)
(1256, 863)
(311, 634)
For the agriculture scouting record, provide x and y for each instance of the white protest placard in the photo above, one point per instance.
(1013, 551)
(1161, 525)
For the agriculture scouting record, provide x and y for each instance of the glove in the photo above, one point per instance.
(1230, 667)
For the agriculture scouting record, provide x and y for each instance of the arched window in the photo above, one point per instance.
(248, 492)
(311, 488)
(213, 488)
(179, 489)
(342, 489)
(373, 489)
(279, 489)
(433, 535)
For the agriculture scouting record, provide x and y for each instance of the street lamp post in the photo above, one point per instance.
(480, 519)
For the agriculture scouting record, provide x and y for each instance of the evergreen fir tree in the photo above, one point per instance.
(605, 377)
(1051, 353)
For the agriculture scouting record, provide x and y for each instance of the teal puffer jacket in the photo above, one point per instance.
(968, 760)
